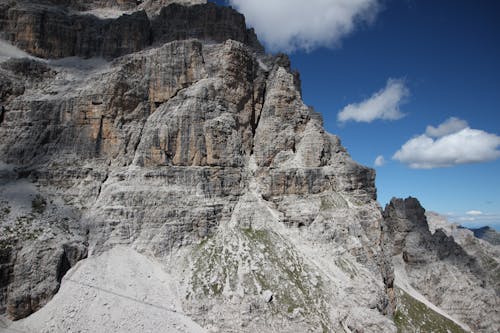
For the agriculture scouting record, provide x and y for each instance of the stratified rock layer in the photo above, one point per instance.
(50, 31)
(192, 147)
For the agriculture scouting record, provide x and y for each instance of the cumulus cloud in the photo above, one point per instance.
(288, 25)
(451, 125)
(379, 161)
(384, 104)
(474, 212)
(448, 145)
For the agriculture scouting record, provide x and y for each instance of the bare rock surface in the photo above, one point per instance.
(169, 148)
(185, 151)
(460, 277)
(54, 30)
(118, 291)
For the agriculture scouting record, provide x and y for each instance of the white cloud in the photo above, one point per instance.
(379, 161)
(462, 146)
(466, 219)
(474, 212)
(288, 25)
(384, 104)
(477, 220)
(451, 125)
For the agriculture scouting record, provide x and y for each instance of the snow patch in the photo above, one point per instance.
(262, 65)
(8, 51)
(105, 13)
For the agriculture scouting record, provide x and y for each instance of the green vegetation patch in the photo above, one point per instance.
(38, 204)
(4, 210)
(22, 230)
(414, 316)
(347, 267)
(257, 260)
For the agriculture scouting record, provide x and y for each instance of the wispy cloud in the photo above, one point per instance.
(384, 104)
(288, 25)
(476, 220)
(451, 143)
(379, 161)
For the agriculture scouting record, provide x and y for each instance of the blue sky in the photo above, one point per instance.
(443, 56)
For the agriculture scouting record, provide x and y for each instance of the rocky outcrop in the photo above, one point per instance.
(86, 5)
(441, 269)
(40, 240)
(53, 31)
(205, 22)
(167, 150)
(191, 146)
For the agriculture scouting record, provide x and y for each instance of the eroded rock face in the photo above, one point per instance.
(53, 30)
(460, 277)
(40, 240)
(195, 141)
(199, 152)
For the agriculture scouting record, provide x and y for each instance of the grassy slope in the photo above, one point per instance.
(413, 316)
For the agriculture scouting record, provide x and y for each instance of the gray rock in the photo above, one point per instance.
(192, 146)
(459, 276)
(267, 296)
(161, 148)
(52, 30)
(488, 234)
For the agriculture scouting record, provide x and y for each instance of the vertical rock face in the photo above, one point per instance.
(196, 146)
(461, 277)
(50, 31)
(190, 145)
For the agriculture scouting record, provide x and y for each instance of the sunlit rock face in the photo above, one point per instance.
(169, 132)
(50, 30)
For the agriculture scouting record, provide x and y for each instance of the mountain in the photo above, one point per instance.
(160, 171)
(488, 234)
(454, 271)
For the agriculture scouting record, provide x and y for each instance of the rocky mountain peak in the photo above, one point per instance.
(425, 260)
(165, 146)
(488, 234)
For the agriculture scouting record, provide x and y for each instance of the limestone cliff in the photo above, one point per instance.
(52, 29)
(173, 135)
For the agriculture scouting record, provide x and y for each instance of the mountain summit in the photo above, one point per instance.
(161, 173)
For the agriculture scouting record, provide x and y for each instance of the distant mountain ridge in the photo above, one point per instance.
(487, 233)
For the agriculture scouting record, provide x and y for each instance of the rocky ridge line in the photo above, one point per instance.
(458, 274)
